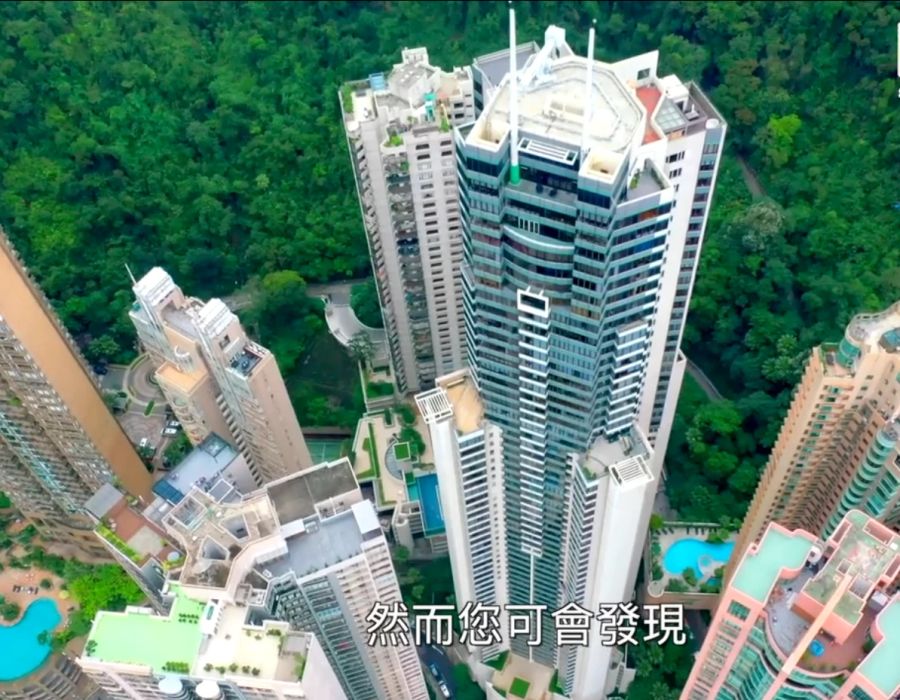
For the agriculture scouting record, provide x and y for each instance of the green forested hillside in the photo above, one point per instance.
(205, 137)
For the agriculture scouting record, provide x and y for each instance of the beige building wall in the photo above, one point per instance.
(216, 379)
(846, 402)
(58, 440)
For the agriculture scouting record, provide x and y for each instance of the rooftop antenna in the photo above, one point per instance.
(588, 90)
(513, 101)
(133, 280)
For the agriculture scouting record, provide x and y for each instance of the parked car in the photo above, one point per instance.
(434, 671)
(169, 432)
(145, 443)
(174, 424)
(445, 691)
(101, 370)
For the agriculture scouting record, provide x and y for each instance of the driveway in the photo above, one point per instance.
(138, 385)
(343, 325)
(435, 654)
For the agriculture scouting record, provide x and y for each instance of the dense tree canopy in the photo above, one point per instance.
(206, 137)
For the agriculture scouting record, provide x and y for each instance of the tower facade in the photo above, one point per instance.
(584, 189)
(216, 379)
(59, 443)
(399, 133)
(839, 446)
(806, 618)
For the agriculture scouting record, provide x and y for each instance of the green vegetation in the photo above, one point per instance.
(299, 665)
(406, 414)
(148, 409)
(519, 687)
(689, 576)
(395, 140)
(662, 670)
(379, 389)
(466, 688)
(499, 661)
(177, 450)
(347, 98)
(402, 451)
(4, 500)
(410, 435)
(118, 543)
(8, 610)
(370, 445)
(365, 304)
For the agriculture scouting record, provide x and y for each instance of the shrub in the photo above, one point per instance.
(656, 522)
(690, 576)
(46, 584)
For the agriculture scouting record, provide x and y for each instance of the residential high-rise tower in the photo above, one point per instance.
(584, 191)
(305, 553)
(803, 618)
(399, 132)
(59, 443)
(839, 446)
(216, 379)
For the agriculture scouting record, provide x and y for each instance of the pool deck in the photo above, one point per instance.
(10, 577)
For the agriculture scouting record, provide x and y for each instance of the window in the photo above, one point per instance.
(739, 611)
(643, 74)
(710, 148)
(675, 157)
(674, 173)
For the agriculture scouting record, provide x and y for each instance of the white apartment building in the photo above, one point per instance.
(399, 133)
(305, 553)
(216, 379)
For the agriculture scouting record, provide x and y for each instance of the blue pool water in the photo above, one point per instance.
(431, 504)
(817, 648)
(22, 653)
(688, 553)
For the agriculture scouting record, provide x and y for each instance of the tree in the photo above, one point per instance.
(365, 303)
(104, 348)
(689, 576)
(777, 139)
(361, 348)
(466, 688)
(46, 583)
(9, 610)
(105, 587)
(656, 522)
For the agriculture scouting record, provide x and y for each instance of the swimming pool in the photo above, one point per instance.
(22, 652)
(430, 501)
(692, 553)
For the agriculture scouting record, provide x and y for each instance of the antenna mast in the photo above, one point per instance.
(588, 91)
(513, 101)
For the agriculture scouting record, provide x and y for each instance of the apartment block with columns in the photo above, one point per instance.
(59, 443)
(805, 617)
(216, 379)
(839, 447)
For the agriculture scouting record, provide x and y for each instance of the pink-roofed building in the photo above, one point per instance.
(807, 619)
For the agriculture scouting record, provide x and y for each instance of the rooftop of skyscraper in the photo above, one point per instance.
(409, 93)
(552, 101)
(198, 637)
(823, 601)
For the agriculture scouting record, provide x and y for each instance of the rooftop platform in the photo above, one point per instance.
(649, 97)
(531, 680)
(300, 495)
(764, 564)
(882, 665)
(552, 103)
(468, 409)
(140, 637)
(201, 468)
(877, 331)
(334, 540)
(867, 553)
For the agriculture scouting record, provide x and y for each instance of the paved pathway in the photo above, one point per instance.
(705, 382)
(750, 178)
(137, 382)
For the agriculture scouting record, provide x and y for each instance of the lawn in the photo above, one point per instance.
(402, 451)
(519, 687)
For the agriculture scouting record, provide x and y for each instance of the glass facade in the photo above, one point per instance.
(560, 288)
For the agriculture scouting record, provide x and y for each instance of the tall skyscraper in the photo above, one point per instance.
(58, 441)
(306, 552)
(399, 132)
(807, 619)
(839, 447)
(584, 190)
(216, 379)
